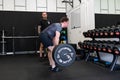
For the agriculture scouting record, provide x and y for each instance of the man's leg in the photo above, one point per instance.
(53, 68)
(41, 50)
(51, 61)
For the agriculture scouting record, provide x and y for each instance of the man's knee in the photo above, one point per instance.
(50, 48)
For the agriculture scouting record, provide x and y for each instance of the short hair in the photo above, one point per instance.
(44, 12)
(64, 19)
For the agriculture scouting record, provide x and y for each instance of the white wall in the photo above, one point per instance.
(33, 5)
(1, 5)
(9, 6)
(107, 6)
(20, 5)
(86, 19)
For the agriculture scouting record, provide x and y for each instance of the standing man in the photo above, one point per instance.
(43, 24)
(50, 38)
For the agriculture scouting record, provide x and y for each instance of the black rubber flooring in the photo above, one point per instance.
(28, 67)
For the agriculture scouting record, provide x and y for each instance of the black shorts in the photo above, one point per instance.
(46, 40)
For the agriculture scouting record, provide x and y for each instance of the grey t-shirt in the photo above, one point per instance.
(51, 30)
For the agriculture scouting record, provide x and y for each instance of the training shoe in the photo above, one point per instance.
(56, 69)
(50, 67)
(41, 59)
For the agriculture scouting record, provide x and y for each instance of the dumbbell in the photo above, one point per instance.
(93, 32)
(90, 32)
(85, 45)
(95, 45)
(99, 46)
(96, 33)
(116, 49)
(80, 45)
(85, 34)
(106, 32)
(90, 46)
(117, 31)
(104, 46)
(89, 43)
(110, 48)
(114, 32)
(111, 45)
(101, 32)
(111, 32)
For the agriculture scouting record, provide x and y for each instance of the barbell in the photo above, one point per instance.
(64, 55)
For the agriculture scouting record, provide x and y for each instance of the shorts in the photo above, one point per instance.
(46, 40)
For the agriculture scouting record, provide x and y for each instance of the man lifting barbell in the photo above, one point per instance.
(50, 38)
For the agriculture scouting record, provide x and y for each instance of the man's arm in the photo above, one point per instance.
(39, 29)
(56, 38)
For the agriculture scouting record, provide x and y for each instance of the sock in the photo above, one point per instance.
(53, 66)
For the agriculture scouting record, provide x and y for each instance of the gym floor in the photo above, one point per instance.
(28, 67)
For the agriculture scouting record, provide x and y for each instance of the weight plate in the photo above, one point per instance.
(64, 54)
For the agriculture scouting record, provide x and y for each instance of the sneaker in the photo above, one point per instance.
(45, 57)
(50, 68)
(56, 69)
(41, 59)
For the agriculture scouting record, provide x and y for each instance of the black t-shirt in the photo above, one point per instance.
(44, 24)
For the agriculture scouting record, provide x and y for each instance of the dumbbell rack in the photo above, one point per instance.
(115, 57)
(112, 65)
(3, 42)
